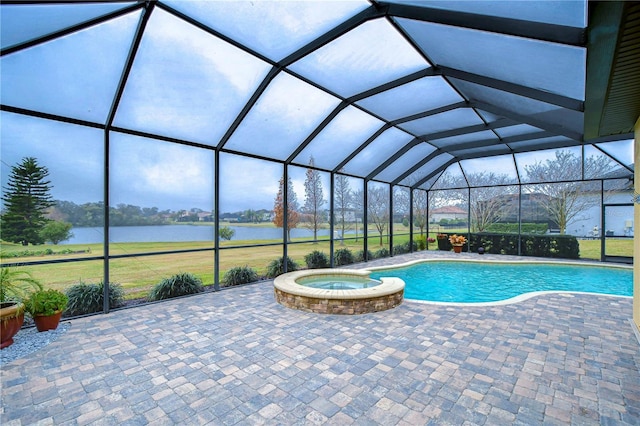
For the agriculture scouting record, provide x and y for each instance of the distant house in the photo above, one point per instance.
(205, 217)
(448, 213)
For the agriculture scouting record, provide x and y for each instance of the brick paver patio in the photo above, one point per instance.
(237, 358)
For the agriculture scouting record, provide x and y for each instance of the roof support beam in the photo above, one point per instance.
(393, 158)
(361, 147)
(69, 30)
(491, 142)
(421, 163)
(427, 72)
(48, 116)
(516, 89)
(424, 114)
(247, 107)
(342, 105)
(498, 124)
(526, 119)
(364, 16)
(433, 173)
(142, 25)
(471, 145)
(516, 27)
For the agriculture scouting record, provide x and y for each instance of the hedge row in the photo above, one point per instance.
(559, 246)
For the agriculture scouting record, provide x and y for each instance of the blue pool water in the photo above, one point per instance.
(468, 282)
(338, 283)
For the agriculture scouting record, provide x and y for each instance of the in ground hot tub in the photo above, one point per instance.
(337, 291)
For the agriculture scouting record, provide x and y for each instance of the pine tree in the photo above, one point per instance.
(313, 199)
(292, 208)
(26, 199)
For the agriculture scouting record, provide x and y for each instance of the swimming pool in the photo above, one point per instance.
(474, 282)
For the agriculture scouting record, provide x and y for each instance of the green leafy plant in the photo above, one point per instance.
(56, 231)
(343, 256)
(226, 233)
(177, 285)
(239, 275)
(276, 267)
(316, 259)
(87, 298)
(46, 302)
(16, 285)
(421, 240)
(403, 248)
(360, 255)
(381, 253)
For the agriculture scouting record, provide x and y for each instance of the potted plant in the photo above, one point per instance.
(442, 242)
(430, 240)
(15, 286)
(457, 241)
(46, 306)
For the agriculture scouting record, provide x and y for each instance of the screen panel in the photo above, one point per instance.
(286, 113)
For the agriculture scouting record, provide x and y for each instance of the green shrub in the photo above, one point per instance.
(316, 259)
(513, 228)
(421, 241)
(563, 246)
(381, 253)
(89, 298)
(46, 302)
(343, 256)
(360, 255)
(404, 248)
(226, 233)
(239, 275)
(276, 267)
(178, 285)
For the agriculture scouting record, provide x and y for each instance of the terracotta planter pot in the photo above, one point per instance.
(457, 249)
(49, 322)
(11, 320)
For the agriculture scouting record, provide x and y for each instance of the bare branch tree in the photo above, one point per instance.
(557, 177)
(313, 199)
(487, 203)
(343, 202)
(420, 208)
(378, 208)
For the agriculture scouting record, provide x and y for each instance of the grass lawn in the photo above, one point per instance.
(138, 274)
(590, 249)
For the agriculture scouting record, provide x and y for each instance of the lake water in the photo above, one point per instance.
(173, 233)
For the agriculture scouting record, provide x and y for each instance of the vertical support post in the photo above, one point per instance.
(411, 220)
(520, 219)
(427, 221)
(603, 212)
(468, 219)
(365, 221)
(331, 216)
(216, 219)
(636, 220)
(105, 242)
(390, 233)
(285, 215)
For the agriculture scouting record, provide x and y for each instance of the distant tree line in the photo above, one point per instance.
(247, 216)
(92, 214)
